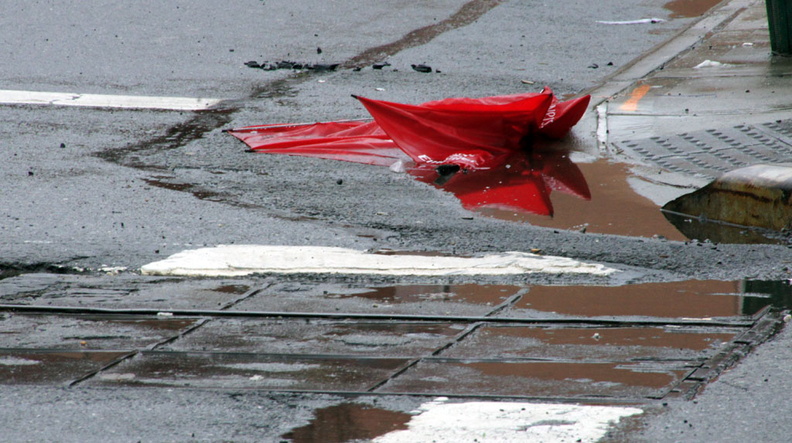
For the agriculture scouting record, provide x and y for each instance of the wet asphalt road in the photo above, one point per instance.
(125, 168)
(97, 188)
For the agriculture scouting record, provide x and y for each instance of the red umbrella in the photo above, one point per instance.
(472, 133)
(464, 132)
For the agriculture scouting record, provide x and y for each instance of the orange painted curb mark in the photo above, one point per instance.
(636, 95)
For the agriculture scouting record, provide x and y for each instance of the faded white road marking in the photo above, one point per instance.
(438, 421)
(231, 260)
(11, 97)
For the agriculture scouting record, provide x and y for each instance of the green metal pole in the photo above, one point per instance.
(779, 17)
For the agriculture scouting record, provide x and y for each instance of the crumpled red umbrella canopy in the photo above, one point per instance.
(473, 133)
(353, 141)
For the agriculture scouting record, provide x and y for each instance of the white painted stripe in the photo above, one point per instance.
(234, 260)
(11, 97)
(438, 421)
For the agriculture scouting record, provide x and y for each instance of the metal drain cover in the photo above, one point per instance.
(712, 152)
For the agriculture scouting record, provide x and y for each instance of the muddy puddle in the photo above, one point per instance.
(690, 8)
(551, 190)
(686, 299)
(690, 299)
(348, 422)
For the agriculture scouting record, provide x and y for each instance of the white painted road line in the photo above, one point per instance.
(12, 97)
(235, 260)
(438, 421)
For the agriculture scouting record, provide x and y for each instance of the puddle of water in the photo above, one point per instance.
(690, 8)
(716, 232)
(585, 343)
(348, 422)
(548, 189)
(778, 293)
(603, 373)
(467, 293)
(686, 299)
(522, 184)
(540, 379)
(232, 289)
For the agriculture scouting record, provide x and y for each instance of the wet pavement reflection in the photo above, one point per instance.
(689, 8)
(685, 299)
(348, 422)
(465, 299)
(541, 379)
(599, 343)
(589, 343)
(547, 188)
(696, 228)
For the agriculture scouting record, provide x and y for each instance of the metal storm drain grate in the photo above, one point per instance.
(712, 152)
(534, 342)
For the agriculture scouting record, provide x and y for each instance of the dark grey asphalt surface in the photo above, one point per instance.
(94, 188)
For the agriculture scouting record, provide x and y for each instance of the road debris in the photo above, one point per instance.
(642, 21)
(709, 64)
(292, 65)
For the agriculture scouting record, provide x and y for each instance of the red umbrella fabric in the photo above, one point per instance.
(465, 133)
(353, 141)
(473, 133)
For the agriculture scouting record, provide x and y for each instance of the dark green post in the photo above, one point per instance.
(779, 17)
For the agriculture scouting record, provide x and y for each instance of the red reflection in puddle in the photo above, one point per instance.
(348, 422)
(614, 206)
(523, 183)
